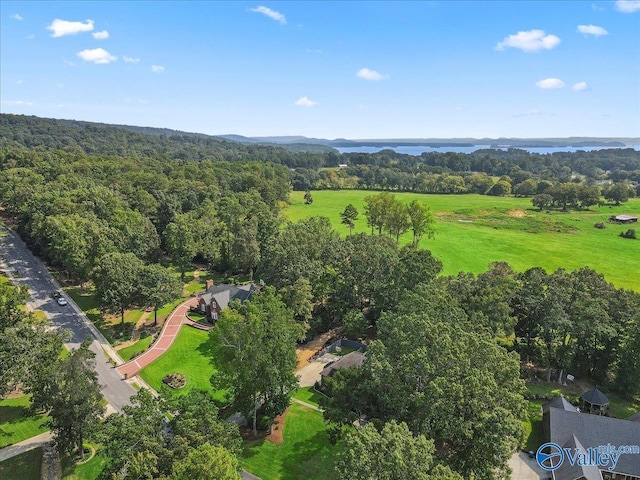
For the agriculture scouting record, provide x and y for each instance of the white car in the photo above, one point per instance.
(61, 301)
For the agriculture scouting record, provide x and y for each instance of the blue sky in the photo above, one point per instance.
(447, 69)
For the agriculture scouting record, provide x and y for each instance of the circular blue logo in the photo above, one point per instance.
(552, 460)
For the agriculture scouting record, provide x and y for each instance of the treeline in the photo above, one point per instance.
(50, 135)
(72, 209)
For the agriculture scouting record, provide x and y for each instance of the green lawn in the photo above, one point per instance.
(25, 466)
(561, 239)
(619, 406)
(17, 423)
(309, 395)
(190, 355)
(305, 453)
(131, 351)
(533, 431)
(85, 471)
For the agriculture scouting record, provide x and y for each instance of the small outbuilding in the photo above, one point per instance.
(623, 219)
(594, 401)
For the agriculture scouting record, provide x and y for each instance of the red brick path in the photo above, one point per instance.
(163, 342)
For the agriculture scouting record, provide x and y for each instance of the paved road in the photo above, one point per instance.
(28, 270)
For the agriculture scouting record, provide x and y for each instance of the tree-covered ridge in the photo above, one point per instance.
(42, 134)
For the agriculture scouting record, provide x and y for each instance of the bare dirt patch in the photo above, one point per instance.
(516, 213)
(443, 213)
(277, 428)
(307, 350)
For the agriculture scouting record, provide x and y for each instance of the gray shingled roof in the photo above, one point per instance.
(572, 472)
(595, 397)
(352, 359)
(558, 402)
(593, 431)
(224, 294)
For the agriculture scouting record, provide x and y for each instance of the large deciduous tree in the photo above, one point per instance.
(392, 453)
(421, 221)
(156, 287)
(73, 399)
(253, 351)
(448, 382)
(115, 277)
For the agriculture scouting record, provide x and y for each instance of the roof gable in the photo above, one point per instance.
(352, 359)
(593, 431)
(224, 294)
(595, 397)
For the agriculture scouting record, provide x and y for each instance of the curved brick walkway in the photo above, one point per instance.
(167, 336)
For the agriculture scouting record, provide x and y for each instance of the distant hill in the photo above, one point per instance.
(46, 134)
(448, 142)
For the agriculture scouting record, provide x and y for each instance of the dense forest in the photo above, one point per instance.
(101, 202)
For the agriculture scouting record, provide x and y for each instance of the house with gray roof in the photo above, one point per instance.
(568, 428)
(217, 297)
(352, 359)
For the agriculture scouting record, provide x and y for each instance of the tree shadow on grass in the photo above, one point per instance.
(310, 459)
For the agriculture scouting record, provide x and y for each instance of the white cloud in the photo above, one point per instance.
(314, 50)
(103, 35)
(628, 6)
(60, 28)
(530, 41)
(16, 16)
(548, 83)
(157, 68)
(305, 102)
(528, 113)
(97, 55)
(130, 59)
(31, 36)
(277, 16)
(592, 30)
(368, 74)
(19, 82)
(17, 102)
(580, 86)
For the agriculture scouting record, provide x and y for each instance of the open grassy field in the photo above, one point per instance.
(189, 355)
(25, 466)
(17, 423)
(475, 230)
(304, 453)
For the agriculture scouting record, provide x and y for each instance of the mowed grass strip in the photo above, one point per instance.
(25, 466)
(304, 453)
(127, 353)
(17, 423)
(474, 230)
(190, 354)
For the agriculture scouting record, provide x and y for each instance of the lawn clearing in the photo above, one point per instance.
(190, 355)
(25, 466)
(89, 470)
(308, 395)
(304, 453)
(131, 351)
(17, 423)
(492, 233)
(533, 431)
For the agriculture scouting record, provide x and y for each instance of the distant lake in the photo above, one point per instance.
(418, 149)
